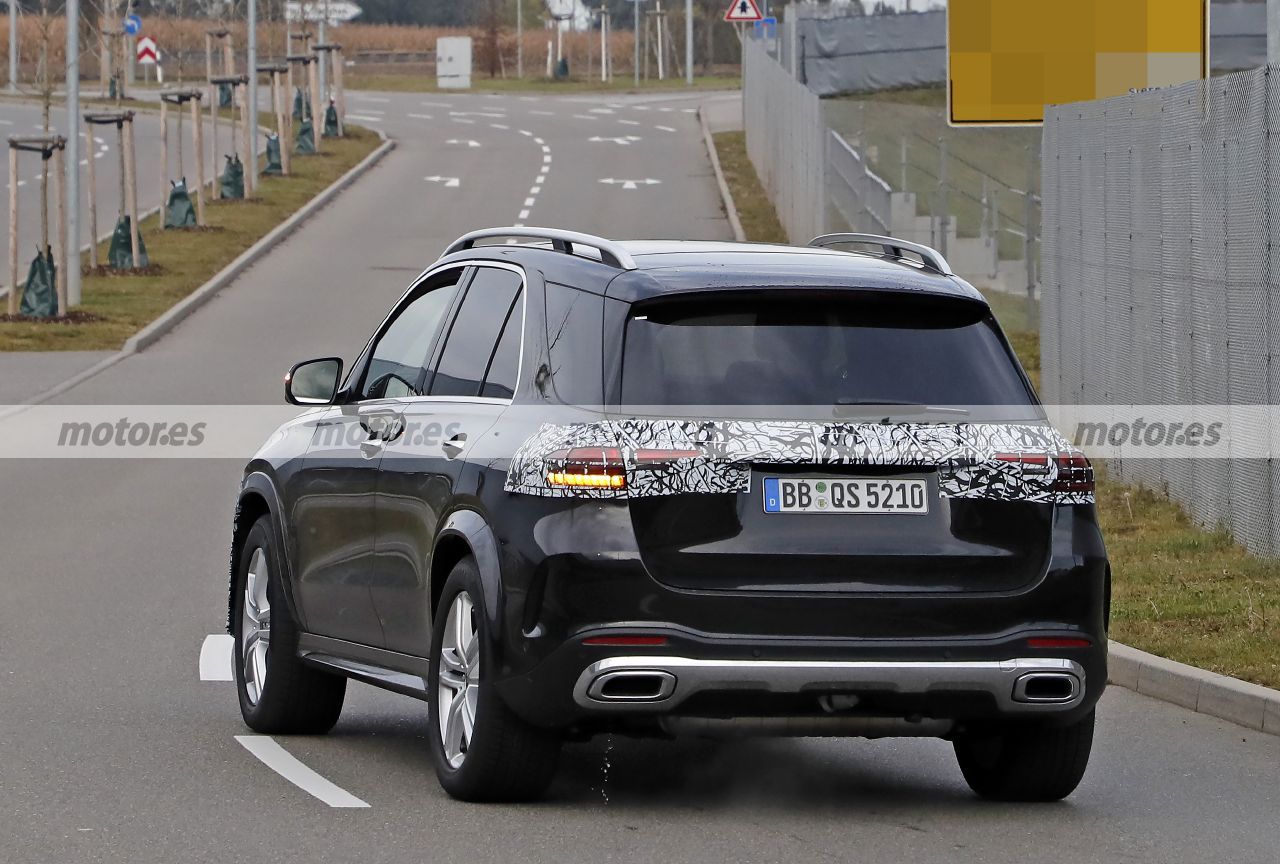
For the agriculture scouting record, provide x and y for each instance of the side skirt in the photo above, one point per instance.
(400, 673)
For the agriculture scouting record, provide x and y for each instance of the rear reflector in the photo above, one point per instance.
(1051, 642)
(588, 468)
(627, 641)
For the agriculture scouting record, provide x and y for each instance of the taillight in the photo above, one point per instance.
(1032, 463)
(587, 468)
(1075, 474)
(1057, 642)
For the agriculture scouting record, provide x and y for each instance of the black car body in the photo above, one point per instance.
(606, 434)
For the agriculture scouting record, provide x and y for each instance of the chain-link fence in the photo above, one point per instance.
(1161, 243)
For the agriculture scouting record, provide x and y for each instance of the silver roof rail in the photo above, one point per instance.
(892, 248)
(611, 253)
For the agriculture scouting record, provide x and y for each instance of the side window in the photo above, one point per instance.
(500, 380)
(474, 335)
(404, 349)
(575, 320)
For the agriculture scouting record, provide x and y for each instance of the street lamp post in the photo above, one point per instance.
(13, 46)
(688, 42)
(71, 164)
(251, 97)
(520, 39)
(635, 4)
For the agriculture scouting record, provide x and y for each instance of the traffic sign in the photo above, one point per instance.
(147, 50)
(133, 25)
(742, 12)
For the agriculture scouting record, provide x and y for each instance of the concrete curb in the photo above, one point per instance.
(1248, 705)
(158, 328)
(726, 198)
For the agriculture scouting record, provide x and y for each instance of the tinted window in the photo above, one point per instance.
(500, 381)
(474, 333)
(574, 323)
(404, 349)
(813, 350)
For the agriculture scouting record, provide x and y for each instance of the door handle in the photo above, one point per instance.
(453, 447)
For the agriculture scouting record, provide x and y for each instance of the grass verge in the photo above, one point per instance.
(123, 304)
(1179, 590)
(403, 83)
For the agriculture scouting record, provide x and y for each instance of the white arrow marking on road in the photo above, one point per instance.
(624, 140)
(215, 658)
(449, 182)
(284, 763)
(467, 141)
(630, 184)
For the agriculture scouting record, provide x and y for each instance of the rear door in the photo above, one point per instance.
(465, 388)
(849, 410)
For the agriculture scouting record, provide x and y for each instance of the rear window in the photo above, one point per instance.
(870, 348)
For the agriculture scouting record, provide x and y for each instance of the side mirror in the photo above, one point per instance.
(313, 382)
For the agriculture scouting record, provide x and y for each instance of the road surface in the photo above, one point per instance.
(112, 748)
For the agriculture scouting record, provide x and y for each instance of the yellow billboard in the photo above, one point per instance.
(1007, 59)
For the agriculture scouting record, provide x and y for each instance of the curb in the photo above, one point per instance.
(726, 199)
(158, 328)
(1249, 705)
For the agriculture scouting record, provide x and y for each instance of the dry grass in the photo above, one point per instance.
(123, 304)
(1179, 590)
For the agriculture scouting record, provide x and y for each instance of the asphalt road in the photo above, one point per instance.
(113, 575)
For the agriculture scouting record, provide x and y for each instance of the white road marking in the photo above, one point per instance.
(528, 98)
(641, 107)
(449, 182)
(284, 763)
(364, 117)
(466, 142)
(624, 140)
(525, 132)
(528, 202)
(461, 120)
(420, 116)
(534, 190)
(600, 110)
(546, 149)
(370, 98)
(499, 126)
(629, 122)
(631, 184)
(665, 108)
(689, 110)
(584, 117)
(436, 104)
(6, 122)
(215, 658)
(546, 158)
(665, 128)
(373, 111)
(524, 214)
(476, 114)
(537, 140)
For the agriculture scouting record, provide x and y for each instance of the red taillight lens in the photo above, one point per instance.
(1058, 642)
(1075, 474)
(1032, 463)
(626, 641)
(588, 468)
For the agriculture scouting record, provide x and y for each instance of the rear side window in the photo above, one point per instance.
(474, 335)
(870, 348)
(574, 337)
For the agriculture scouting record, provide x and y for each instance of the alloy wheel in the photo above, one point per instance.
(255, 626)
(459, 686)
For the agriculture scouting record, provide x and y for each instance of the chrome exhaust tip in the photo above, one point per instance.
(632, 685)
(1047, 688)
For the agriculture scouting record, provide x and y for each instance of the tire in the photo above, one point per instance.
(1027, 763)
(504, 758)
(279, 694)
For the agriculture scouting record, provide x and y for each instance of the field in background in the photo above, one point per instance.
(881, 123)
(1178, 590)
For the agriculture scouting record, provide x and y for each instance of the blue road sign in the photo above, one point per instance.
(133, 25)
(766, 28)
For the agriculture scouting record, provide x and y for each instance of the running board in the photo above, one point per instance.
(400, 673)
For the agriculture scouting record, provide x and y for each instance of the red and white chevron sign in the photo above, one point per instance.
(147, 50)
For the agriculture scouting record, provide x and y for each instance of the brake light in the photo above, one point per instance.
(1032, 463)
(1075, 474)
(1058, 642)
(588, 468)
(629, 641)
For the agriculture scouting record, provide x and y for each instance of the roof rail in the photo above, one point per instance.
(891, 247)
(611, 253)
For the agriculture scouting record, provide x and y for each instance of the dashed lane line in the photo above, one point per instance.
(284, 763)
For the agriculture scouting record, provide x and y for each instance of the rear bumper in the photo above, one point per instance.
(658, 684)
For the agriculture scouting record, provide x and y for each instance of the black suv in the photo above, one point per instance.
(575, 486)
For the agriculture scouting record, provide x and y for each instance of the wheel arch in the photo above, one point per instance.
(259, 497)
(466, 533)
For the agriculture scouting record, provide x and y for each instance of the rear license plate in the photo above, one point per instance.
(812, 495)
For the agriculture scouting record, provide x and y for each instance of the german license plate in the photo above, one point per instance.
(862, 495)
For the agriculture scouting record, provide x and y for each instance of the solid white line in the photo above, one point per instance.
(285, 764)
(215, 658)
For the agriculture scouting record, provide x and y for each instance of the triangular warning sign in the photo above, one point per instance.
(740, 11)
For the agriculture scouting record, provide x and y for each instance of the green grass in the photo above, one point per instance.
(918, 117)
(1179, 590)
(620, 84)
(124, 304)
